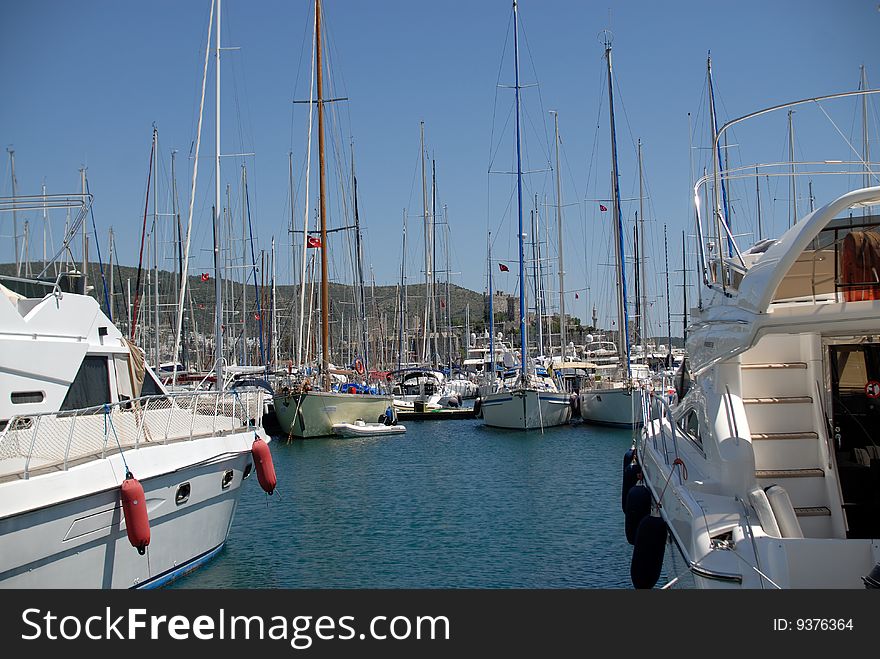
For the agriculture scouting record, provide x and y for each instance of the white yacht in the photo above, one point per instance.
(83, 421)
(764, 474)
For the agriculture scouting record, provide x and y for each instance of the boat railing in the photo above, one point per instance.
(60, 440)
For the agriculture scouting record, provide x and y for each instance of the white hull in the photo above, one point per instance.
(65, 529)
(313, 414)
(367, 429)
(612, 407)
(526, 409)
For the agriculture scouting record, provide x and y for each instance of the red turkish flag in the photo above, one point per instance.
(602, 208)
(313, 241)
(503, 267)
(205, 276)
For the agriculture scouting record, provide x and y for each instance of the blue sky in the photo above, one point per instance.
(85, 81)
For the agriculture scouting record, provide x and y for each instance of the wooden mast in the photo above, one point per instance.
(325, 286)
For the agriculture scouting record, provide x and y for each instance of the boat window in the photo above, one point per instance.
(852, 369)
(690, 424)
(22, 397)
(90, 387)
(151, 387)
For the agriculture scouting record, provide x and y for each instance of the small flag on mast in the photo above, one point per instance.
(602, 208)
(205, 276)
(503, 267)
(314, 241)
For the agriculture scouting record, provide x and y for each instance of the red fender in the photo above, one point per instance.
(134, 507)
(265, 468)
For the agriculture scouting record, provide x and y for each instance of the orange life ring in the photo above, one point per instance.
(359, 366)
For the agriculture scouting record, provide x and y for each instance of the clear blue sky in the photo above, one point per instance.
(85, 81)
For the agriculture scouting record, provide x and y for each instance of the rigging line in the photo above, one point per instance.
(299, 66)
(848, 143)
(143, 233)
(540, 98)
(100, 262)
(494, 154)
(256, 286)
(497, 87)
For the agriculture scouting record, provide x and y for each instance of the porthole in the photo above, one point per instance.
(247, 470)
(227, 478)
(182, 495)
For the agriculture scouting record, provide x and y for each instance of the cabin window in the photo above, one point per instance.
(90, 387)
(690, 424)
(24, 397)
(151, 387)
(852, 369)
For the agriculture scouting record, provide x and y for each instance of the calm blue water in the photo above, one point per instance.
(449, 504)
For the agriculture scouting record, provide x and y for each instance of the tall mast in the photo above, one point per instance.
(522, 278)
(536, 277)
(325, 285)
(435, 350)
(491, 309)
(362, 301)
(716, 160)
(156, 255)
(403, 341)
(448, 301)
(684, 287)
(622, 313)
(218, 289)
(668, 303)
(185, 268)
(643, 280)
(559, 239)
(274, 336)
(863, 84)
(85, 242)
(427, 232)
(244, 270)
(11, 153)
(793, 203)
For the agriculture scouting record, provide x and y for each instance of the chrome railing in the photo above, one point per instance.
(60, 440)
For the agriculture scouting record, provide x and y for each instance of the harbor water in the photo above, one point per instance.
(448, 504)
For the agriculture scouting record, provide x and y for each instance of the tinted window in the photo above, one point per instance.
(151, 387)
(90, 387)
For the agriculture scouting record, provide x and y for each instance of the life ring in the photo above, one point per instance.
(359, 366)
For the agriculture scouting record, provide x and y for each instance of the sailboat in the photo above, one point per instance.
(616, 400)
(525, 401)
(308, 409)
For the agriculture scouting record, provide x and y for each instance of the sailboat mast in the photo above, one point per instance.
(325, 285)
(522, 278)
(643, 280)
(362, 301)
(793, 203)
(218, 289)
(491, 309)
(684, 287)
(863, 84)
(156, 253)
(11, 153)
(559, 239)
(424, 355)
(622, 313)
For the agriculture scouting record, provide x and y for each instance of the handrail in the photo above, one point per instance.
(59, 438)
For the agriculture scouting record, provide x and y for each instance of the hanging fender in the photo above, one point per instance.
(264, 466)
(134, 509)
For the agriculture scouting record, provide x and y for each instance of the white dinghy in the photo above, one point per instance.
(361, 428)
